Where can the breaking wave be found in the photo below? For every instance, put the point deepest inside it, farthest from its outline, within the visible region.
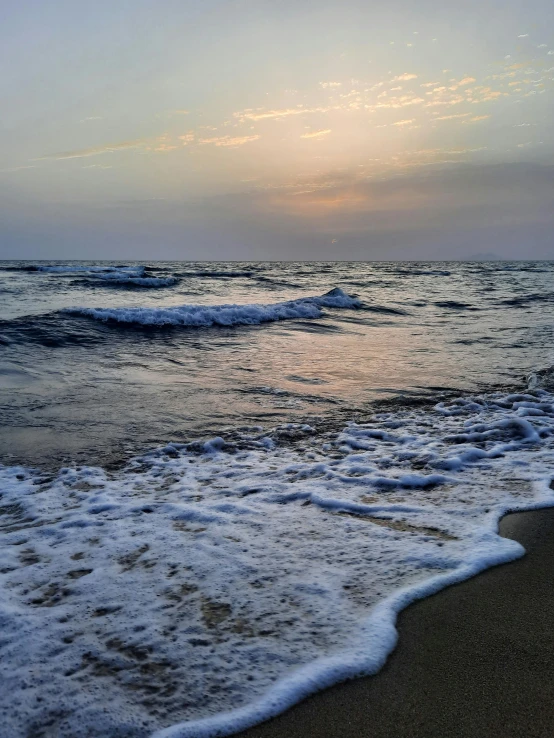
(223, 315)
(135, 271)
(118, 280)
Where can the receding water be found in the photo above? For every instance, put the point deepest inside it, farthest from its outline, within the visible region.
(77, 388)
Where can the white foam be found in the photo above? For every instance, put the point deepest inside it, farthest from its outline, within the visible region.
(79, 268)
(224, 315)
(203, 589)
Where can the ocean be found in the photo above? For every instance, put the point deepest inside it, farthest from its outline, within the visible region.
(221, 481)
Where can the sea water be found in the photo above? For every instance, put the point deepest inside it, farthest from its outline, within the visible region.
(221, 482)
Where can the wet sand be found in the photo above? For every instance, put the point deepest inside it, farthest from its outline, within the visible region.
(474, 660)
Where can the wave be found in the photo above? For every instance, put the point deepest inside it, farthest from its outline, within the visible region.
(216, 274)
(222, 315)
(210, 586)
(525, 300)
(384, 310)
(454, 305)
(106, 276)
(135, 271)
(423, 272)
(117, 280)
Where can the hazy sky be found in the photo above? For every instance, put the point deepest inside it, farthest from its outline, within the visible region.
(263, 129)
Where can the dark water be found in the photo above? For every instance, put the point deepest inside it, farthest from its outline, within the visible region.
(76, 388)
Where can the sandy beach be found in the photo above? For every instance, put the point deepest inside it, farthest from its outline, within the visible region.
(474, 660)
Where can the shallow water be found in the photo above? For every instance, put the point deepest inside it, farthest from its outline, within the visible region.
(314, 462)
(75, 388)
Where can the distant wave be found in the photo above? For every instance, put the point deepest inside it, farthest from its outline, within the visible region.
(119, 270)
(110, 276)
(118, 280)
(453, 305)
(135, 271)
(216, 274)
(224, 315)
(424, 272)
(524, 300)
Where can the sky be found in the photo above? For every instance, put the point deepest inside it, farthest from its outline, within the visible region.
(255, 129)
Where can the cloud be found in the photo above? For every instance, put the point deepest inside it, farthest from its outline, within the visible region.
(181, 112)
(95, 150)
(402, 101)
(452, 195)
(478, 118)
(466, 81)
(165, 147)
(256, 115)
(16, 169)
(229, 141)
(523, 35)
(492, 96)
(91, 117)
(456, 100)
(402, 123)
(452, 117)
(316, 134)
(186, 138)
(406, 77)
(325, 85)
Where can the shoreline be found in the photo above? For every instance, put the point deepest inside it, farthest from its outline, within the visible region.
(475, 659)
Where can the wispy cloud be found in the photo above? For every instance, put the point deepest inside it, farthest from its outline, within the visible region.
(261, 114)
(91, 117)
(326, 85)
(95, 150)
(16, 169)
(316, 134)
(402, 123)
(229, 141)
(453, 117)
(406, 77)
(478, 118)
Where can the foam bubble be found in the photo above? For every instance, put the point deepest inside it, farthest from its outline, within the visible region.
(206, 587)
(97, 270)
(224, 315)
(121, 279)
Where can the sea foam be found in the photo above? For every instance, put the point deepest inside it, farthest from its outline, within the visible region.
(119, 279)
(206, 587)
(78, 268)
(224, 315)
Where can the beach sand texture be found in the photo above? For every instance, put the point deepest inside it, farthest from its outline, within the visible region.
(475, 660)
